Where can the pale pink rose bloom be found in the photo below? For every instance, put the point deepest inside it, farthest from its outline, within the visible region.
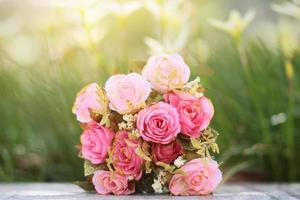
(195, 114)
(95, 141)
(127, 93)
(166, 153)
(166, 72)
(158, 123)
(106, 182)
(202, 177)
(125, 161)
(87, 98)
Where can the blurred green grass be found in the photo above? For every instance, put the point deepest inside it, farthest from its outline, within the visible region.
(43, 64)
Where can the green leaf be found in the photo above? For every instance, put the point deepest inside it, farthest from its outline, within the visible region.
(145, 184)
(86, 185)
(137, 65)
(90, 168)
(196, 143)
(166, 166)
(186, 144)
(142, 154)
(154, 97)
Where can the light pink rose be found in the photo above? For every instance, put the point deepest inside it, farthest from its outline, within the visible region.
(106, 182)
(125, 161)
(195, 114)
(166, 153)
(95, 141)
(158, 123)
(202, 177)
(87, 98)
(166, 72)
(127, 93)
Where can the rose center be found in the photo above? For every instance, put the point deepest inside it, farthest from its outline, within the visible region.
(159, 123)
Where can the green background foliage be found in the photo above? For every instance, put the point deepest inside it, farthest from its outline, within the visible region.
(49, 51)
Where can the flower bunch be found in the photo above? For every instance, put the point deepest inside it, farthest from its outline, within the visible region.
(150, 128)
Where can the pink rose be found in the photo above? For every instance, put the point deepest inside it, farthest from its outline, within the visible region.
(127, 93)
(194, 113)
(166, 153)
(158, 123)
(90, 97)
(106, 182)
(95, 141)
(202, 177)
(166, 72)
(125, 160)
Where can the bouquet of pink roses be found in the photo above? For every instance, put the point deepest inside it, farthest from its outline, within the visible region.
(148, 132)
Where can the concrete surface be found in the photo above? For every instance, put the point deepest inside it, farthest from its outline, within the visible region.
(63, 191)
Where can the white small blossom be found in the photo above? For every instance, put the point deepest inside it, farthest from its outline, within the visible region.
(126, 118)
(160, 182)
(162, 176)
(135, 132)
(278, 119)
(129, 118)
(179, 161)
(122, 126)
(129, 125)
(157, 186)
